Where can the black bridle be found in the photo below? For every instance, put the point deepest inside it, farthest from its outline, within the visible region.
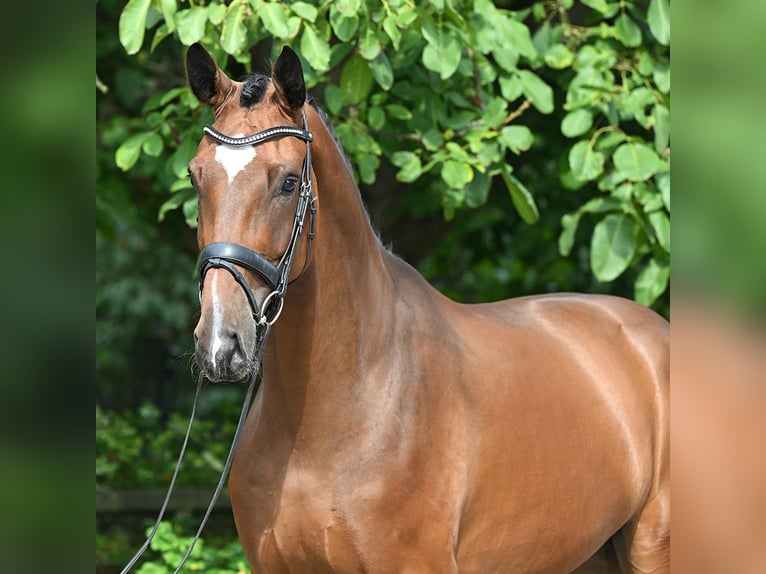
(226, 255)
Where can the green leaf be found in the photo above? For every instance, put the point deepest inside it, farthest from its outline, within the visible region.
(537, 91)
(612, 246)
(191, 212)
(506, 55)
(129, 151)
(216, 13)
(659, 20)
(661, 77)
(153, 145)
(367, 165)
(661, 128)
(305, 11)
(409, 166)
(433, 139)
(333, 98)
(180, 184)
(315, 49)
(191, 24)
(376, 117)
(627, 31)
(600, 5)
(477, 190)
(382, 71)
(510, 87)
(570, 221)
(391, 29)
(274, 18)
(405, 15)
(398, 112)
(651, 282)
(369, 46)
(522, 200)
(645, 64)
(611, 180)
(609, 140)
(559, 57)
(517, 138)
(486, 9)
(355, 80)
(586, 163)
(636, 160)
(169, 8)
(348, 7)
(160, 34)
(495, 112)
(456, 174)
(175, 201)
(179, 161)
(661, 225)
(576, 123)
(516, 33)
(647, 195)
(343, 25)
(338, 53)
(234, 32)
(133, 25)
(443, 52)
(663, 184)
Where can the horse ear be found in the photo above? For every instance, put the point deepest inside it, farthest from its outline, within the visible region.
(287, 74)
(207, 80)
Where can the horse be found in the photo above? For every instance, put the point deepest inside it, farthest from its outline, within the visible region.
(396, 430)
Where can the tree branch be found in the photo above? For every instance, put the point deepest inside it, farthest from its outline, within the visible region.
(518, 111)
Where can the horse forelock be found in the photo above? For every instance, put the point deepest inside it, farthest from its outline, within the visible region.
(253, 89)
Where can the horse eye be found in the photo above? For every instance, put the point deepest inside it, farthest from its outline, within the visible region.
(289, 185)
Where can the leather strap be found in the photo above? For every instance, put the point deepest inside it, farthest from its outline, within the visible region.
(240, 255)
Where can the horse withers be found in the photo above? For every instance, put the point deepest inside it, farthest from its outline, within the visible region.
(396, 430)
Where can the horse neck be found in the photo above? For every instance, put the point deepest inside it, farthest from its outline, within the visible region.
(334, 312)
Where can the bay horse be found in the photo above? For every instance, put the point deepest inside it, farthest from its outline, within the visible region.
(396, 430)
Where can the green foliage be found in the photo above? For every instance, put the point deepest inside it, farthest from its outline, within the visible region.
(139, 449)
(171, 548)
(454, 94)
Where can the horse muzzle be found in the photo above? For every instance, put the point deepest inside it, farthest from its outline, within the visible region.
(225, 336)
(223, 359)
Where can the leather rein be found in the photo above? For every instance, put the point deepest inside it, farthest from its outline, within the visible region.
(226, 255)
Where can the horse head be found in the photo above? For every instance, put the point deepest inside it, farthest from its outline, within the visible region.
(252, 174)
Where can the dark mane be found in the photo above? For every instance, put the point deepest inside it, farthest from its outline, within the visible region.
(311, 100)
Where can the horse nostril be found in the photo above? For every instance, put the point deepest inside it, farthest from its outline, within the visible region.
(225, 352)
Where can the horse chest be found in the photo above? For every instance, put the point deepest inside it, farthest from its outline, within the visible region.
(307, 529)
(316, 516)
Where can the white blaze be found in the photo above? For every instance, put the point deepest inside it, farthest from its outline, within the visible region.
(217, 319)
(234, 158)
